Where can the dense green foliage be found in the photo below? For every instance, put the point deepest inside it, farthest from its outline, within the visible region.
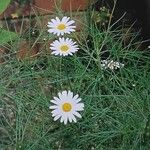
(117, 103)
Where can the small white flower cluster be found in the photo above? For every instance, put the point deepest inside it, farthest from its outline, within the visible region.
(113, 65)
(63, 46)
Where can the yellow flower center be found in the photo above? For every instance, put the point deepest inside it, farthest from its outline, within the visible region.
(64, 48)
(61, 26)
(66, 107)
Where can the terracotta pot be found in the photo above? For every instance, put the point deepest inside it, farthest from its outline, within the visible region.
(47, 6)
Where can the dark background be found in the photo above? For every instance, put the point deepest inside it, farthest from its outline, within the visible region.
(137, 10)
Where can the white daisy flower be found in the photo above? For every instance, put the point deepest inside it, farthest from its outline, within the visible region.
(66, 107)
(64, 47)
(111, 64)
(60, 27)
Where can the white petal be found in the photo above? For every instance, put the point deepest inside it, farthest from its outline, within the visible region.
(51, 30)
(62, 119)
(70, 22)
(70, 95)
(64, 93)
(54, 102)
(53, 115)
(65, 120)
(53, 107)
(61, 39)
(55, 53)
(62, 54)
(57, 117)
(58, 20)
(56, 111)
(73, 118)
(78, 100)
(70, 53)
(79, 107)
(71, 28)
(62, 33)
(77, 114)
(55, 43)
(70, 118)
(65, 19)
(53, 21)
(53, 48)
(60, 95)
(58, 33)
(75, 97)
